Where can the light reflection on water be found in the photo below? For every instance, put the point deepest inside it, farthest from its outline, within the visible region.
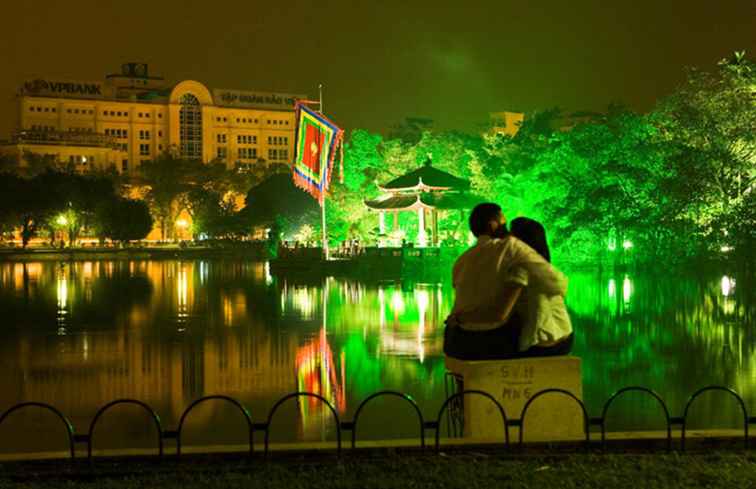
(168, 332)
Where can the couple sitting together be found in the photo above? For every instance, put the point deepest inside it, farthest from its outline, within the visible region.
(509, 298)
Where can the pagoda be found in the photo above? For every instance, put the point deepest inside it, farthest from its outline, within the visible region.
(426, 191)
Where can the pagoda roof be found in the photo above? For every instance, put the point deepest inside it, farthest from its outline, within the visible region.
(425, 200)
(425, 178)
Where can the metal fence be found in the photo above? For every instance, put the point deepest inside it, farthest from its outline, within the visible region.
(451, 407)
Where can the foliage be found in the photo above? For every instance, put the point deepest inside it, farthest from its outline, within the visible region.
(277, 203)
(617, 186)
(124, 220)
(59, 202)
(206, 191)
(710, 122)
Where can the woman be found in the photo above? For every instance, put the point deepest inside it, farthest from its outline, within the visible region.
(545, 328)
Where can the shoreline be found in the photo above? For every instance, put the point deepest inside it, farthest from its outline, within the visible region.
(135, 253)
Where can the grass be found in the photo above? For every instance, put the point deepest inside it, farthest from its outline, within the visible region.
(463, 469)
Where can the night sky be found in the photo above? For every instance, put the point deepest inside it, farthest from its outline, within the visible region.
(381, 61)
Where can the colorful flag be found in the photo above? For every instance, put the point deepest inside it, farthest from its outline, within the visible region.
(316, 141)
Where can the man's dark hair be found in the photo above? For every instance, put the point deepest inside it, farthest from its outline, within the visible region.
(481, 215)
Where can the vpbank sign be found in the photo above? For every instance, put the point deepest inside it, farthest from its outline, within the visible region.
(57, 88)
(257, 100)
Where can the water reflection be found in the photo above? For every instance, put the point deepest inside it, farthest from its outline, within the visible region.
(168, 332)
(62, 299)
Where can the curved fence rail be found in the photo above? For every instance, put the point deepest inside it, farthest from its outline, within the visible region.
(150, 411)
(636, 389)
(719, 388)
(297, 395)
(68, 425)
(406, 397)
(453, 401)
(459, 395)
(240, 406)
(555, 391)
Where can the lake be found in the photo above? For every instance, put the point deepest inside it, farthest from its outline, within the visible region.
(80, 334)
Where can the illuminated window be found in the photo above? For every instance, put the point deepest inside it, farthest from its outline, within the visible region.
(190, 127)
(283, 154)
(272, 154)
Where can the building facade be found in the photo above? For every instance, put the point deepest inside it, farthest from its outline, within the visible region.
(506, 123)
(132, 117)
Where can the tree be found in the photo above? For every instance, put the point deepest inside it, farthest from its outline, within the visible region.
(124, 220)
(710, 122)
(274, 197)
(34, 204)
(10, 185)
(167, 178)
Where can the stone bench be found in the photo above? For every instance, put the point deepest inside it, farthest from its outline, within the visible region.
(551, 417)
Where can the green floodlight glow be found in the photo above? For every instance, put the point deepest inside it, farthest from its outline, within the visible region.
(61, 220)
(728, 285)
(611, 243)
(627, 244)
(627, 290)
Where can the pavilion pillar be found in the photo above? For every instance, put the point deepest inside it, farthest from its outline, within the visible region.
(381, 223)
(434, 223)
(422, 238)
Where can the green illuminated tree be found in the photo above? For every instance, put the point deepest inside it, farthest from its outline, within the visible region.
(710, 123)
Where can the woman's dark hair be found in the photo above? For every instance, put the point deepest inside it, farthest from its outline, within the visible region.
(481, 215)
(533, 234)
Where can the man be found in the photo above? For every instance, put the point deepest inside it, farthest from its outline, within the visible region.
(488, 280)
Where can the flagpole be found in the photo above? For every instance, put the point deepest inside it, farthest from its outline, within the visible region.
(323, 196)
